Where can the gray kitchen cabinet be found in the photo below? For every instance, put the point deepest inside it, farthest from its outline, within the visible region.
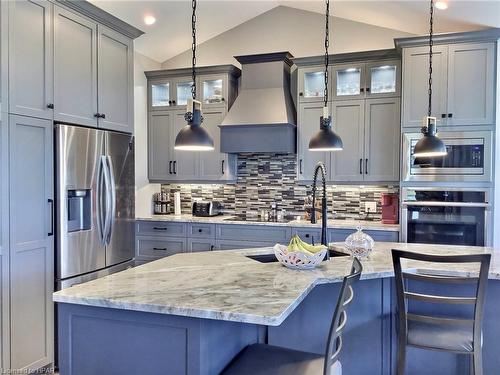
(30, 58)
(309, 120)
(370, 131)
(215, 165)
(152, 248)
(416, 84)
(31, 242)
(168, 93)
(311, 84)
(159, 141)
(115, 75)
(185, 164)
(471, 82)
(382, 139)
(340, 235)
(463, 84)
(161, 228)
(197, 230)
(348, 81)
(75, 68)
(349, 120)
(257, 233)
(200, 244)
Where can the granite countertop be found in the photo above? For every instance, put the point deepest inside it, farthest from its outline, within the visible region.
(226, 219)
(226, 285)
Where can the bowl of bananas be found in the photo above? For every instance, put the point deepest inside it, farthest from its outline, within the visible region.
(300, 255)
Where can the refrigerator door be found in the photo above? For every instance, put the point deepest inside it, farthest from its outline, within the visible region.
(120, 228)
(79, 200)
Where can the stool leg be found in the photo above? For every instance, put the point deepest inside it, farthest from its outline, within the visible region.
(401, 356)
(477, 362)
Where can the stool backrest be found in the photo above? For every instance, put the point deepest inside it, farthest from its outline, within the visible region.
(476, 300)
(339, 321)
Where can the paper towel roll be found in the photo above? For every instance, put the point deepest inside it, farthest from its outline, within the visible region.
(177, 203)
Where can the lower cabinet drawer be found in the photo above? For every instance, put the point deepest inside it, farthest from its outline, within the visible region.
(258, 233)
(308, 235)
(235, 245)
(339, 235)
(159, 228)
(195, 245)
(159, 248)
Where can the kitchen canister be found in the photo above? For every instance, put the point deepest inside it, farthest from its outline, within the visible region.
(177, 203)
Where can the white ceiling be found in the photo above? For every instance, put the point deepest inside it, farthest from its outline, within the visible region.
(171, 34)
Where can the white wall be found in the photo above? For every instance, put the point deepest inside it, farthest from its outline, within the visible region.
(287, 29)
(143, 189)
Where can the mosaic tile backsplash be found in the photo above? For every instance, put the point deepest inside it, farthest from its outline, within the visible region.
(267, 178)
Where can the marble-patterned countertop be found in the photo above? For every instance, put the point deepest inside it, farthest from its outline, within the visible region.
(227, 219)
(226, 285)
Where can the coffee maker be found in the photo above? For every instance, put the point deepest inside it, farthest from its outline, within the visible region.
(390, 208)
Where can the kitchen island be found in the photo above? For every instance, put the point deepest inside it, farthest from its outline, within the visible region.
(192, 313)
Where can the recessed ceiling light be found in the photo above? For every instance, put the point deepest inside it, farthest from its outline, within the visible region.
(149, 20)
(442, 5)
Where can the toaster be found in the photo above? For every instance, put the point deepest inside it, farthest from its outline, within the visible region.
(213, 208)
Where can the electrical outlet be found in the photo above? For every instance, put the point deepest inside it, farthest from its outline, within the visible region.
(371, 207)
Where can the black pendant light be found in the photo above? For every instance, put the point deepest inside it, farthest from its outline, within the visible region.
(193, 137)
(430, 146)
(326, 139)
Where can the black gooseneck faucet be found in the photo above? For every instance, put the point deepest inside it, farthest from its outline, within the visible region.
(320, 167)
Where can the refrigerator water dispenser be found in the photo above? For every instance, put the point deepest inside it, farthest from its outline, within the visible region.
(79, 210)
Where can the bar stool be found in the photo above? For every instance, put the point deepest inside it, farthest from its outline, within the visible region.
(441, 332)
(262, 359)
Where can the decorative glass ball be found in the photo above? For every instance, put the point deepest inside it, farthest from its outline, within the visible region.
(359, 244)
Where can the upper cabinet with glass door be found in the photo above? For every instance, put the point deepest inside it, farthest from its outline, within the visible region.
(311, 84)
(213, 90)
(362, 80)
(159, 96)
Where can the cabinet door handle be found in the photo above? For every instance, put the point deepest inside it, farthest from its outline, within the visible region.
(170, 167)
(308, 235)
(97, 115)
(443, 115)
(366, 166)
(160, 248)
(50, 106)
(212, 247)
(362, 90)
(51, 202)
(160, 228)
(450, 115)
(301, 94)
(103, 116)
(169, 102)
(222, 99)
(300, 166)
(173, 102)
(360, 166)
(367, 89)
(200, 230)
(222, 166)
(175, 166)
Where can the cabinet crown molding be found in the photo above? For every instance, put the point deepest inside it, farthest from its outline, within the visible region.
(486, 35)
(97, 14)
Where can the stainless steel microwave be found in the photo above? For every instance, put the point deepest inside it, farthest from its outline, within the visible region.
(469, 158)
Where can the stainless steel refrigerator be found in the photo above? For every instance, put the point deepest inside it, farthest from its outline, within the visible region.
(94, 203)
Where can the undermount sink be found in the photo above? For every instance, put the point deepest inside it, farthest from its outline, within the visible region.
(271, 258)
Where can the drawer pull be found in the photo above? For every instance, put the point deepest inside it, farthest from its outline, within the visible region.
(308, 235)
(159, 228)
(200, 230)
(160, 248)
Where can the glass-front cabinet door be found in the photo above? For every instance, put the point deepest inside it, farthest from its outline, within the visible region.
(182, 92)
(213, 90)
(348, 81)
(311, 84)
(159, 95)
(383, 79)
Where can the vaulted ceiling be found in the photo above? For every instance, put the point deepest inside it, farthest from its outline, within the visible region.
(171, 33)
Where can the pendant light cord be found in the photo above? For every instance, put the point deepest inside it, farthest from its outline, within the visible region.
(193, 49)
(431, 43)
(327, 44)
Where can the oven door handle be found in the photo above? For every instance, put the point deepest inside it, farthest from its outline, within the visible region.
(445, 204)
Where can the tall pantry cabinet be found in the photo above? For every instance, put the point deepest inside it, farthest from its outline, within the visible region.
(60, 61)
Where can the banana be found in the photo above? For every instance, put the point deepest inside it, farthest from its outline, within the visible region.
(297, 245)
(311, 248)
